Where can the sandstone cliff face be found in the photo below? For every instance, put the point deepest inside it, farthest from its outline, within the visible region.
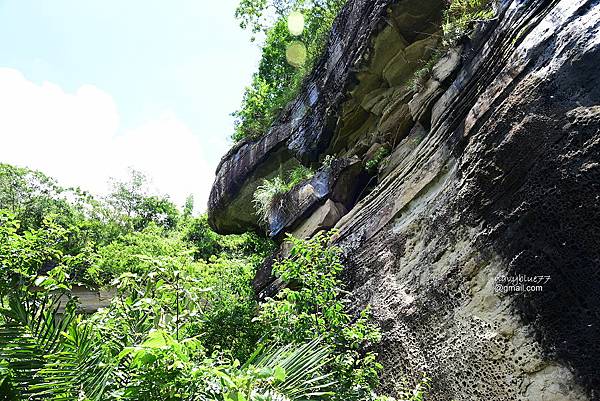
(494, 172)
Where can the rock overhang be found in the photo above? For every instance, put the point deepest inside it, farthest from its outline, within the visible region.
(340, 182)
(493, 171)
(308, 128)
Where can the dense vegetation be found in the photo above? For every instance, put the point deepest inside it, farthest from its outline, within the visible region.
(183, 323)
(294, 34)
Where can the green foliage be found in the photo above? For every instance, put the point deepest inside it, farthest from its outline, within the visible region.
(260, 106)
(65, 358)
(205, 240)
(144, 346)
(31, 331)
(313, 267)
(285, 373)
(207, 243)
(30, 195)
(278, 81)
(297, 370)
(184, 314)
(459, 19)
(132, 205)
(229, 306)
(267, 194)
(223, 275)
(298, 174)
(417, 393)
(136, 252)
(373, 163)
(36, 257)
(422, 74)
(312, 307)
(461, 16)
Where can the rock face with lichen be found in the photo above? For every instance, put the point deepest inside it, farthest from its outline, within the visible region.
(489, 172)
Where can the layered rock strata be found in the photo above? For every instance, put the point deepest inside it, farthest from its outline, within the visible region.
(492, 180)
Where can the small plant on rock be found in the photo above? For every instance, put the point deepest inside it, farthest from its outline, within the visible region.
(459, 19)
(271, 190)
(372, 164)
(461, 16)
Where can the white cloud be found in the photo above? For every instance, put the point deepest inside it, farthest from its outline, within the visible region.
(76, 138)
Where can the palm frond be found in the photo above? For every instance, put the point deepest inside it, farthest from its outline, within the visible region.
(50, 353)
(31, 329)
(79, 367)
(302, 370)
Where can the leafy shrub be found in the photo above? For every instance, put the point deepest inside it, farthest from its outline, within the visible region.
(314, 308)
(417, 393)
(147, 345)
(207, 243)
(205, 240)
(48, 354)
(228, 307)
(267, 194)
(137, 251)
(226, 298)
(36, 257)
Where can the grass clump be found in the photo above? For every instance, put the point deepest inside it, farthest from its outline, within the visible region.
(267, 194)
(461, 16)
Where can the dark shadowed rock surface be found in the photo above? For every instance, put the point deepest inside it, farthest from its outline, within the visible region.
(339, 183)
(493, 175)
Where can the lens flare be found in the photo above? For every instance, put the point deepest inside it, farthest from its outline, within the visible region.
(295, 23)
(296, 53)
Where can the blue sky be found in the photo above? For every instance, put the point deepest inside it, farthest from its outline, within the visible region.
(89, 87)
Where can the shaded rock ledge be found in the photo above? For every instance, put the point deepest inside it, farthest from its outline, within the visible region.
(305, 129)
